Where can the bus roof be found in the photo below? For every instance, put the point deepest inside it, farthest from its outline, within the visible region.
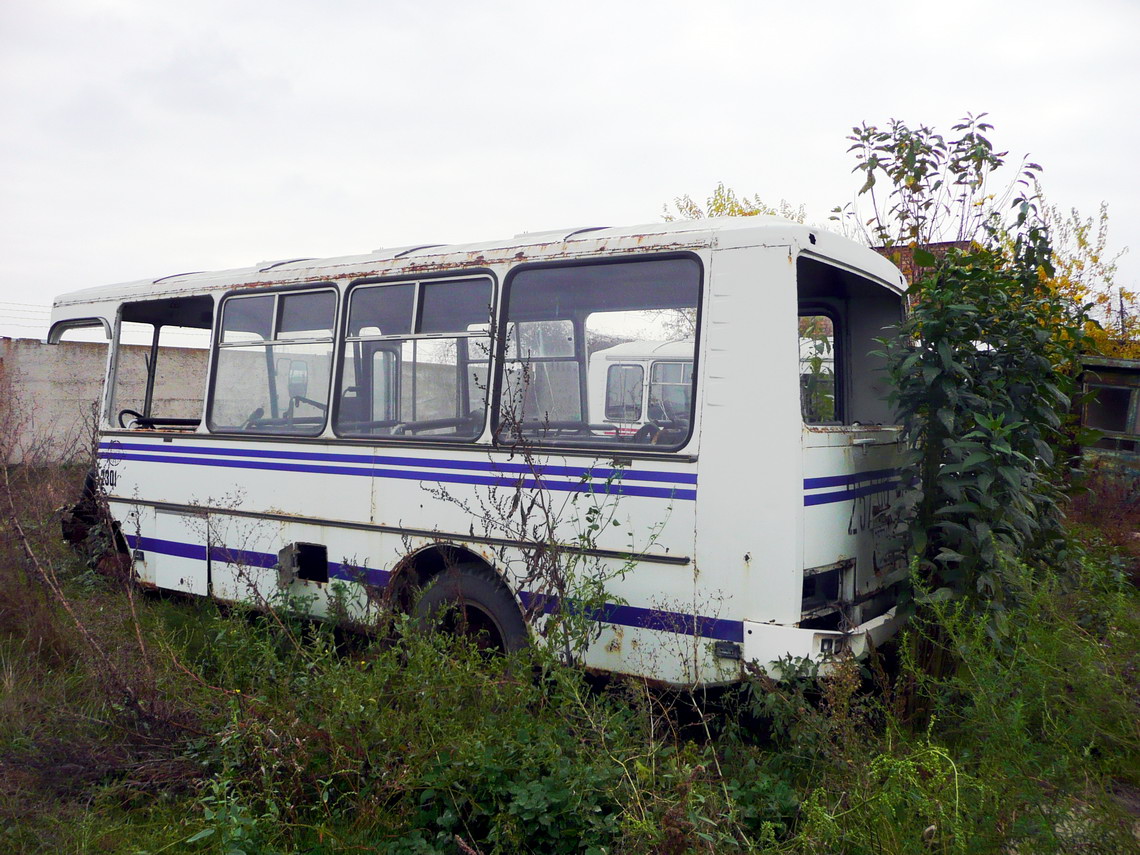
(560, 244)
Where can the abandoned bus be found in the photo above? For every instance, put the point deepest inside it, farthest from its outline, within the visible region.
(436, 422)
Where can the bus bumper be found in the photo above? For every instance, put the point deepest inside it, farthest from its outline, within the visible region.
(766, 643)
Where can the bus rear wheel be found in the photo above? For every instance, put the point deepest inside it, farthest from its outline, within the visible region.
(469, 600)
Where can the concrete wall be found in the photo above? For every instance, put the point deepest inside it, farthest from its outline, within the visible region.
(49, 393)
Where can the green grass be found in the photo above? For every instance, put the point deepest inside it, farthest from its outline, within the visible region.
(172, 725)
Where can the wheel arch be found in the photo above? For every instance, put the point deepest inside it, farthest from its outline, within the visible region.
(418, 568)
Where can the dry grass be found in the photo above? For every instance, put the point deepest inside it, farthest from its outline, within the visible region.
(81, 705)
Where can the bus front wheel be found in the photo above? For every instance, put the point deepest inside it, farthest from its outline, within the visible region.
(471, 601)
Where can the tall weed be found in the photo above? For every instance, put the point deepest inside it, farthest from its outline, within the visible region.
(263, 731)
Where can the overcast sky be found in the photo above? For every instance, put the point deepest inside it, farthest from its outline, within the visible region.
(142, 138)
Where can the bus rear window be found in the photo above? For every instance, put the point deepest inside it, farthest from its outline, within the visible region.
(817, 370)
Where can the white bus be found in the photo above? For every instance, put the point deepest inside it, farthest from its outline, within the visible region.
(384, 423)
(643, 386)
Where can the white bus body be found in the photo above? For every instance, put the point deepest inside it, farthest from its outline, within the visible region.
(357, 414)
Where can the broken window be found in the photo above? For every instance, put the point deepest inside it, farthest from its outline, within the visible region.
(1108, 409)
(161, 352)
(842, 373)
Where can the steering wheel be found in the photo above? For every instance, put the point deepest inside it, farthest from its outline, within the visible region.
(647, 434)
(135, 413)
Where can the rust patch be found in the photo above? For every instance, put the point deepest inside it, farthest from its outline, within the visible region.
(614, 644)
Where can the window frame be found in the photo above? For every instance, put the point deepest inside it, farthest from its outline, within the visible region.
(654, 366)
(345, 341)
(1131, 420)
(158, 356)
(584, 444)
(216, 347)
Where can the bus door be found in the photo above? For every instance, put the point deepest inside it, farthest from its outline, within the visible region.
(851, 448)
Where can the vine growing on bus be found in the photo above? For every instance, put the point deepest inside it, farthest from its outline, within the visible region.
(554, 535)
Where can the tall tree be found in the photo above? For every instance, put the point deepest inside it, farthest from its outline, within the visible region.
(1085, 272)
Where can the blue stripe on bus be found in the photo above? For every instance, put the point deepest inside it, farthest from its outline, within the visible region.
(167, 547)
(848, 495)
(360, 575)
(472, 465)
(250, 558)
(594, 480)
(659, 620)
(846, 480)
(642, 618)
(244, 557)
(854, 486)
(611, 487)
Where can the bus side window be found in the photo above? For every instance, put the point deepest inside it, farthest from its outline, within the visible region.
(566, 327)
(274, 363)
(817, 370)
(160, 363)
(415, 359)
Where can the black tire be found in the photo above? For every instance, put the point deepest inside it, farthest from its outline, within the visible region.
(471, 600)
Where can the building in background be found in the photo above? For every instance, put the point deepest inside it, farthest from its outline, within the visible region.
(1113, 404)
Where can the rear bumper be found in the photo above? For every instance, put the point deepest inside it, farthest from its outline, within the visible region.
(766, 643)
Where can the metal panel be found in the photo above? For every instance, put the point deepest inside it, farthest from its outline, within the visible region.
(178, 552)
